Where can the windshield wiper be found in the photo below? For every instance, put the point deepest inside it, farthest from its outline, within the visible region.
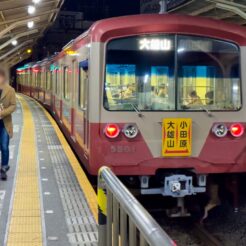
(209, 113)
(137, 110)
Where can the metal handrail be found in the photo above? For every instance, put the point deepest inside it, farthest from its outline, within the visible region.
(122, 219)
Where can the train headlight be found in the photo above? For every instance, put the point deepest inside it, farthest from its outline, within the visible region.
(237, 130)
(220, 130)
(130, 130)
(112, 130)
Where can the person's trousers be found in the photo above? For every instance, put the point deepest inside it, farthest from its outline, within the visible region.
(4, 145)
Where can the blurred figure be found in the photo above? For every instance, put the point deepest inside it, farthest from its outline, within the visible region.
(209, 98)
(129, 92)
(194, 99)
(154, 92)
(162, 91)
(7, 107)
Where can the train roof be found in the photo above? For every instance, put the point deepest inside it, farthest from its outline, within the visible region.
(107, 29)
(104, 30)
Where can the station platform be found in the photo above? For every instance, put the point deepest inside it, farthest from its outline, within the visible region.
(47, 199)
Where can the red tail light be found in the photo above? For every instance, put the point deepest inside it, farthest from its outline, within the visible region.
(237, 130)
(112, 130)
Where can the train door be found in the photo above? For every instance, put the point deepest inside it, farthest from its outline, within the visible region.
(83, 100)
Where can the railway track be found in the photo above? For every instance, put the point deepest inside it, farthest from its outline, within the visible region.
(205, 236)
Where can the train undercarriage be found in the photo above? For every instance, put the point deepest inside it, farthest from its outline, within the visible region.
(189, 194)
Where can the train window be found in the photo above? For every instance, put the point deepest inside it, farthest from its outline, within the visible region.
(39, 79)
(208, 74)
(55, 80)
(140, 74)
(43, 78)
(48, 80)
(66, 83)
(83, 80)
(168, 72)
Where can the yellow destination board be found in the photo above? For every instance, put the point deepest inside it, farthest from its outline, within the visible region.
(176, 137)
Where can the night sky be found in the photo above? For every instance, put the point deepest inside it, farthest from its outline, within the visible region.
(54, 39)
(98, 9)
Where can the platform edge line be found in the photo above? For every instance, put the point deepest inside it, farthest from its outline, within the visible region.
(82, 179)
(14, 182)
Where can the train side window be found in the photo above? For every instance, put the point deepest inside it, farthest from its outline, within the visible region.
(66, 83)
(55, 80)
(83, 81)
(48, 80)
(39, 79)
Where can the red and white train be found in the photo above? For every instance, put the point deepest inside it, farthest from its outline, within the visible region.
(158, 98)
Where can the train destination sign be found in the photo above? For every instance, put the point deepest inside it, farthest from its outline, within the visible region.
(176, 137)
(155, 44)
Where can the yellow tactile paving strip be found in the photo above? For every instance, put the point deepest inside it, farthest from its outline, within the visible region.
(26, 221)
(85, 185)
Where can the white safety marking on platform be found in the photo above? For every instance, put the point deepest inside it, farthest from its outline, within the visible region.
(43, 168)
(55, 147)
(41, 151)
(47, 193)
(2, 196)
(44, 179)
(49, 211)
(11, 151)
(16, 128)
(41, 159)
(46, 125)
(53, 238)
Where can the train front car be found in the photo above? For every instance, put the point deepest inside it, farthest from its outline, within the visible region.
(170, 111)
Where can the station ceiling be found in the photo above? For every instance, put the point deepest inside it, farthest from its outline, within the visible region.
(228, 10)
(14, 18)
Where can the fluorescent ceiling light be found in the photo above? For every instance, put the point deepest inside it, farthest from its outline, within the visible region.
(30, 24)
(14, 42)
(31, 9)
(36, 1)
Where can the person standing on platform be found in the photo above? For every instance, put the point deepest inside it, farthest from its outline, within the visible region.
(7, 107)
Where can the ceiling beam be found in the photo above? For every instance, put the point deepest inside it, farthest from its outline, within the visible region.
(25, 18)
(183, 5)
(232, 9)
(203, 10)
(41, 4)
(15, 49)
(229, 3)
(16, 24)
(226, 15)
(20, 52)
(16, 37)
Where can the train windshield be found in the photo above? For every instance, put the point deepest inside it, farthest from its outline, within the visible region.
(172, 72)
